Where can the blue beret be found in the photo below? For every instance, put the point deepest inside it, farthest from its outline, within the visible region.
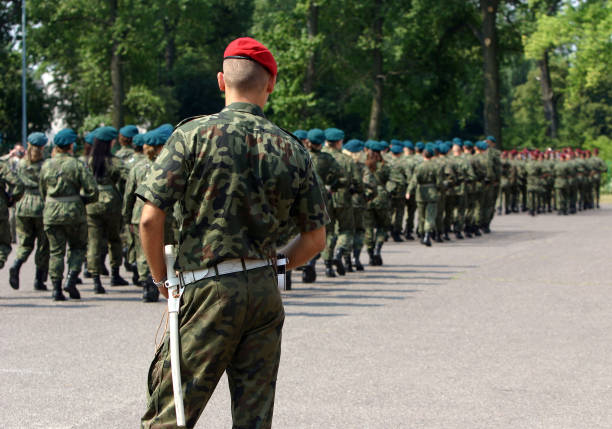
(396, 142)
(491, 138)
(396, 148)
(89, 138)
(370, 143)
(37, 139)
(164, 131)
(129, 131)
(409, 145)
(457, 140)
(483, 145)
(300, 134)
(65, 137)
(154, 138)
(379, 146)
(106, 133)
(138, 140)
(429, 150)
(468, 144)
(443, 149)
(353, 145)
(316, 136)
(384, 143)
(420, 145)
(333, 134)
(438, 142)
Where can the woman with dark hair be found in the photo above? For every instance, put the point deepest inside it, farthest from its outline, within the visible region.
(376, 217)
(29, 212)
(104, 216)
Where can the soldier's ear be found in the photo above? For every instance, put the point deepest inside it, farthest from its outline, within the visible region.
(221, 81)
(271, 83)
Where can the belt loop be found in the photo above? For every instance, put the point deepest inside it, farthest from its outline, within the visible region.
(243, 265)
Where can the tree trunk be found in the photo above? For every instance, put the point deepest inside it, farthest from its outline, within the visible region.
(492, 110)
(116, 72)
(548, 96)
(377, 60)
(170, 50)
(312, 26)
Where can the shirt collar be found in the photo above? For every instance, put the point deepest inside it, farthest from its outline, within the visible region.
(251, 108)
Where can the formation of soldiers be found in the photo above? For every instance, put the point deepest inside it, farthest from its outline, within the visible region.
(374, 191)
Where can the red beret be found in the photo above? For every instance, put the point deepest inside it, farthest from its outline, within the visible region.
(250, 49)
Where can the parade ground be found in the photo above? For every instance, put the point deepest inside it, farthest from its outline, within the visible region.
(509, 330)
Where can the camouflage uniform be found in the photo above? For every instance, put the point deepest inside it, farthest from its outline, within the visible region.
(398, 195)
(10, 188)
(410, 163)
(29, 213)
(132, 237)
(474, 213)
(124, 153)
(424, 188)
(61, 179)
(534, 185)
(562, 187)
(494, 171)
(104, 218)
(242, 184)
(599, 167)
(462, 190)
(359, 206)
(376, 217)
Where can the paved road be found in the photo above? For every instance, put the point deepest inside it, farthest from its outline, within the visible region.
(511, 330)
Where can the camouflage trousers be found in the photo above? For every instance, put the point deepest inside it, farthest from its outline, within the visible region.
(449, 210)
(459, 207)
(562, 199)
(75, 235)
(29, 231)
(488, 204)
(427, 211)
(377, 222)
(103, 230)
(341, 230)
(359, 234)
(410, 212)
(228, 323)
(474, 209)
(5, 240)
(398, 207)
(440, 210)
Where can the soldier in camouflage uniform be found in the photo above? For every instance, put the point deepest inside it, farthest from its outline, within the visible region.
(534, 183)
(473, 211)
(410, 162)
(104, 216)
(376, 217)
(65, 187)
(599, 167)
(29, 212)
(243, 183)
(466, 181)
(11, 189)
(398, 195)
(424, 187)
(354, 149)
(126, 136)
(448, 180)
(329, 174)
(342, 232)
(494, 172)
(561, 176)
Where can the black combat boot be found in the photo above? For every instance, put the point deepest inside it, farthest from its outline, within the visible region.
(103, 269)
(378, 254)
(348, 264)
(438, 237)
(135, 278)
(459, 235)
(309, 274)
(446, 237)
(98, 288)
(116, 279)
(14, 273)
(57, 294)
(70, 285)
(78, 281)
(372, 257)
(476, 232)
(329, 269)
(358, 265)
(288, 280)
(396, 237)
(426, 239)
(150, 293)
(338, 262)
(468, 231)
(486, 229)
(41, 277)
(409, 236)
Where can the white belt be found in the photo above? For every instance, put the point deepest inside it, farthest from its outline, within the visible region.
(226, 267)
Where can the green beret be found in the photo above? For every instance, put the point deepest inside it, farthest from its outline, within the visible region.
(353, 145)
(106, 133)
(65, 137)
(333, 134)
(37, 139)
(129, 131)
(138, 140)
(316, 136)
(397, 149)
(300, 134)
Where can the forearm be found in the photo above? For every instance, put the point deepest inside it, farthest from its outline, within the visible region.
(304, 247)
(152, 239)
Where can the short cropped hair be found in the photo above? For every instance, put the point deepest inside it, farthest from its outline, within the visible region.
(245, 75)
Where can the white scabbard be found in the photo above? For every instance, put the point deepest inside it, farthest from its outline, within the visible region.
(175, 290)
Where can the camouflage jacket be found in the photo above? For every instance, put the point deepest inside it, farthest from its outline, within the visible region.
(562, 174)
(398, 182)
(61, 179)
(135, 159)
(534, 176)
(11, 188)
(342, 197)
(425, 183)
(480, 171)
(132, 206)
(31, 204)
(377, 194)
(359, 198)
(110, 188)
(598, 166)
(329, 174)
(242, 183)
(124, 153)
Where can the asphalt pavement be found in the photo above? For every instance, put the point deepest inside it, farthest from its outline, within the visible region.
(509, 330)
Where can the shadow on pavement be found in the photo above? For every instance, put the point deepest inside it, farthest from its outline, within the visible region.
(316, 314)
(79, 306)
(331, 304)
